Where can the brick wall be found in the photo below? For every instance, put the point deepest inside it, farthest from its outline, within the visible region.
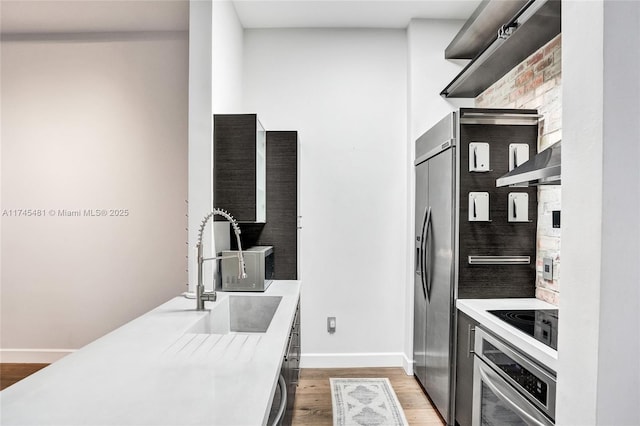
(536, 83)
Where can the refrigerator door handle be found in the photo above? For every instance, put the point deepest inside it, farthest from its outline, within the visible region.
(426, 255)
(419, 244)
(423, 238)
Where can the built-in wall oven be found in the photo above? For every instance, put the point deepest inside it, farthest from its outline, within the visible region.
(508, 387)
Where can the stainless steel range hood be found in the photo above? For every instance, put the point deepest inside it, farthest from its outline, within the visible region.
(543, 169)
(481, 27)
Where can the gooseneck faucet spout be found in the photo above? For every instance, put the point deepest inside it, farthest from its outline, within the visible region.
(201, 295)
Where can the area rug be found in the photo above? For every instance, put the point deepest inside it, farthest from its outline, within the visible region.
(365, 402)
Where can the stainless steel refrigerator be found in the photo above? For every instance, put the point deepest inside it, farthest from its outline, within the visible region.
(469, 241)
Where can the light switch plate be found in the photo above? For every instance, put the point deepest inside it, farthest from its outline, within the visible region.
(518, 207)
(479, 207)
(479, 157)
(331, 324)
(547, 268)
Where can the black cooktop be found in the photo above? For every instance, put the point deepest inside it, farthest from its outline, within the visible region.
(541, 324)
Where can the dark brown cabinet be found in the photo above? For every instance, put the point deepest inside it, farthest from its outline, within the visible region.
(281, 228)
(500, 236)
(464, 369)
(291, 366)
(281, 413)
(239, 175)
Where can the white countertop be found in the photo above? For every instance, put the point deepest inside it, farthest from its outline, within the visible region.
(477, 309)
(152, 372)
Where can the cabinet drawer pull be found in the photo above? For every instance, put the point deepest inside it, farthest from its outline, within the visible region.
(499, 260)
(296, 373)
(470, 345)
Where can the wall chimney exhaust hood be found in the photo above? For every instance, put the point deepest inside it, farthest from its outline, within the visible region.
(543, 169)
(533, 26)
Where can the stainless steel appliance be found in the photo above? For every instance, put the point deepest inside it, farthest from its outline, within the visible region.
(472, 240)
(541, 324)
(259, 264)
(509, 388)
(543, 169)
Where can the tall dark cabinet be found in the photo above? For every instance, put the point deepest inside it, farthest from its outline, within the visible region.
(281, 229)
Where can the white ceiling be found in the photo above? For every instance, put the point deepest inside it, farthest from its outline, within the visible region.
(60, 16)
(347, 13)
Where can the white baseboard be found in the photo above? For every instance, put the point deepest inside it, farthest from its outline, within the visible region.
(33, 356)
(352, 360)
(407, 365)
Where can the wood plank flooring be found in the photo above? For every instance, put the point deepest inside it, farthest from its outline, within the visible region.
(12, 373)
(313, 397)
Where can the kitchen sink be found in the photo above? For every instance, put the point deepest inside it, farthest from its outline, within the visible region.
(239, 314)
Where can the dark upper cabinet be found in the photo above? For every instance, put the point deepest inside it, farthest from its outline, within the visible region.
(239, 175)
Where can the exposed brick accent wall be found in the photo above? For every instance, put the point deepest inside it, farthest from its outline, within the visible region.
(536, 83)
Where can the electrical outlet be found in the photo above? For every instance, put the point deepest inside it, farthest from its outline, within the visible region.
(331, 324)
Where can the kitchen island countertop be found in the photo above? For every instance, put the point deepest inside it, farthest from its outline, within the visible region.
(478, 309)
(155, 371)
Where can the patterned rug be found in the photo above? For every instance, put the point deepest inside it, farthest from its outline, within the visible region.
(365, 402)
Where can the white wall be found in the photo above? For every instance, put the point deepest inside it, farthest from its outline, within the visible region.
(345, 93)
(215, 86)
(429, 73)
(599, 371)
(582, 212)
(90, 122)
(619, 333)
(227, 52)
(200, 129)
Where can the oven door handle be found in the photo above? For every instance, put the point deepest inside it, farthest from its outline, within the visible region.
(491, 382)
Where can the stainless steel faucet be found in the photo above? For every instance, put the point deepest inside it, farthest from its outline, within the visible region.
(201, 295)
